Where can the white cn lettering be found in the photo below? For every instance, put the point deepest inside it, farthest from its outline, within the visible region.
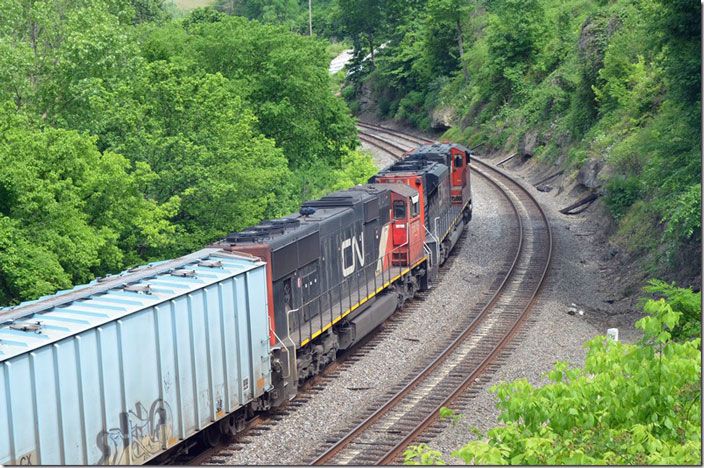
(357, 255)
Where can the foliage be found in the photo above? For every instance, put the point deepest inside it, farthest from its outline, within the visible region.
(165, 134)
(69, 212)
(622, 193)
(363, 20)
(618, 81)
(283, 77)
(421, 454)
(630, 404)
(684, 303)
(291, 14)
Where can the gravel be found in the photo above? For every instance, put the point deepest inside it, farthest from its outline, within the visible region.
(581, 273)
(584, 273)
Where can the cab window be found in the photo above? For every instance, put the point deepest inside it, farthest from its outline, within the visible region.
(399, 209)
(459, 160)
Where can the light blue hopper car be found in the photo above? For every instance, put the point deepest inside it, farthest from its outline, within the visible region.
(120, 370)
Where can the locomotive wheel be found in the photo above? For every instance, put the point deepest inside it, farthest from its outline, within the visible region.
(212, 435)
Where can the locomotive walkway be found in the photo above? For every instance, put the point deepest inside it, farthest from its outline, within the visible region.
(384, 435)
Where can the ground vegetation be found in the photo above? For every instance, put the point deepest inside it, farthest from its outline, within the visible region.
(614, 84)
(636, 404)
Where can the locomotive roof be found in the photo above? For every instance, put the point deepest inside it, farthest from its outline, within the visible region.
(432, 171)
(438, 148)
(399, 188)
(417, 166)
(281, 232)
(347, 197)
(34, 324)
(362, 192)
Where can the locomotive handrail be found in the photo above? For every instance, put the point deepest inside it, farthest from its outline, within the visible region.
(437, 244)
(293, 345)
(431, 234)
(288, 354)
(350, 286)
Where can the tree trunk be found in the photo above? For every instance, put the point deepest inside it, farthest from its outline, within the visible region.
(310, 18)
(459, 40)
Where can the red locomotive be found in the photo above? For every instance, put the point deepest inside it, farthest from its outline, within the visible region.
(343, 264)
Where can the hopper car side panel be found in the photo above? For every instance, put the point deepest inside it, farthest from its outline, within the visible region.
(119, 377)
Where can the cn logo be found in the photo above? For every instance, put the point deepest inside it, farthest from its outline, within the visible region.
(351, 254)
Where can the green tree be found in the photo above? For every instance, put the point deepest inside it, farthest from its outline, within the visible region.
(200, 139)
(363, 18)
(514, 35)
(67, 211)
(281, 75)
(452, 11)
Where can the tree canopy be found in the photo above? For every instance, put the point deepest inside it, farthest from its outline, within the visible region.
(129, 136)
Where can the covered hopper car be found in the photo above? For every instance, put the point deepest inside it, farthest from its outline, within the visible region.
(120, 370)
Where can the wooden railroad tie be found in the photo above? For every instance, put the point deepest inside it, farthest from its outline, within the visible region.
(589, 199)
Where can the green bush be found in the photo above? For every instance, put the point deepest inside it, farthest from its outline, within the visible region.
(630, 404)
(621, 193)
(683, 302)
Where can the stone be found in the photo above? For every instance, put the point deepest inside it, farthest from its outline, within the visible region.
(527, 143)
(442, 118)
(589, 172)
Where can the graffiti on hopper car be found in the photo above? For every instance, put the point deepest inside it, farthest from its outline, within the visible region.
(142, 434)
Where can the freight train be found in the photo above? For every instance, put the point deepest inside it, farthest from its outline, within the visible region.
(124, 369)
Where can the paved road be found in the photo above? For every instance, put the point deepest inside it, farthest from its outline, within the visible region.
(339, 62)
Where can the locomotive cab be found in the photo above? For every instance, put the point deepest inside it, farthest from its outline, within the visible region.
(406, 228)
(460, 159)
(456, 158)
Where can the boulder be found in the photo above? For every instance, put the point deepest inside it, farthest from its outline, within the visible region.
(527, 143)
(442, 118)
(589, 172)
(366, 101)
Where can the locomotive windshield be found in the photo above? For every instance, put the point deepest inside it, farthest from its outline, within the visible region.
(414, 205)
(399, 209)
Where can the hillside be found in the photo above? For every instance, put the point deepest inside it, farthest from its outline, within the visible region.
(608, 91)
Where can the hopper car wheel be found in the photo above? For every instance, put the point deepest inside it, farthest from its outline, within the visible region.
(228, 425)
(212, 435)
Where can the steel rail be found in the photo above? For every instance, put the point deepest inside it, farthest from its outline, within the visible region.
(397, 450)
(445, 354)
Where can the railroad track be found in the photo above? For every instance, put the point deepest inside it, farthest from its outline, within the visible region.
(198, 453)
(413, 409)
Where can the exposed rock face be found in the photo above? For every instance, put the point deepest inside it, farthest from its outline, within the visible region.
(366, 102)
(527, 143)
(589, 172)
(442, 118)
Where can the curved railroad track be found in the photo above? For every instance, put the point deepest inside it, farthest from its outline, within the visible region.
(382, 437)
